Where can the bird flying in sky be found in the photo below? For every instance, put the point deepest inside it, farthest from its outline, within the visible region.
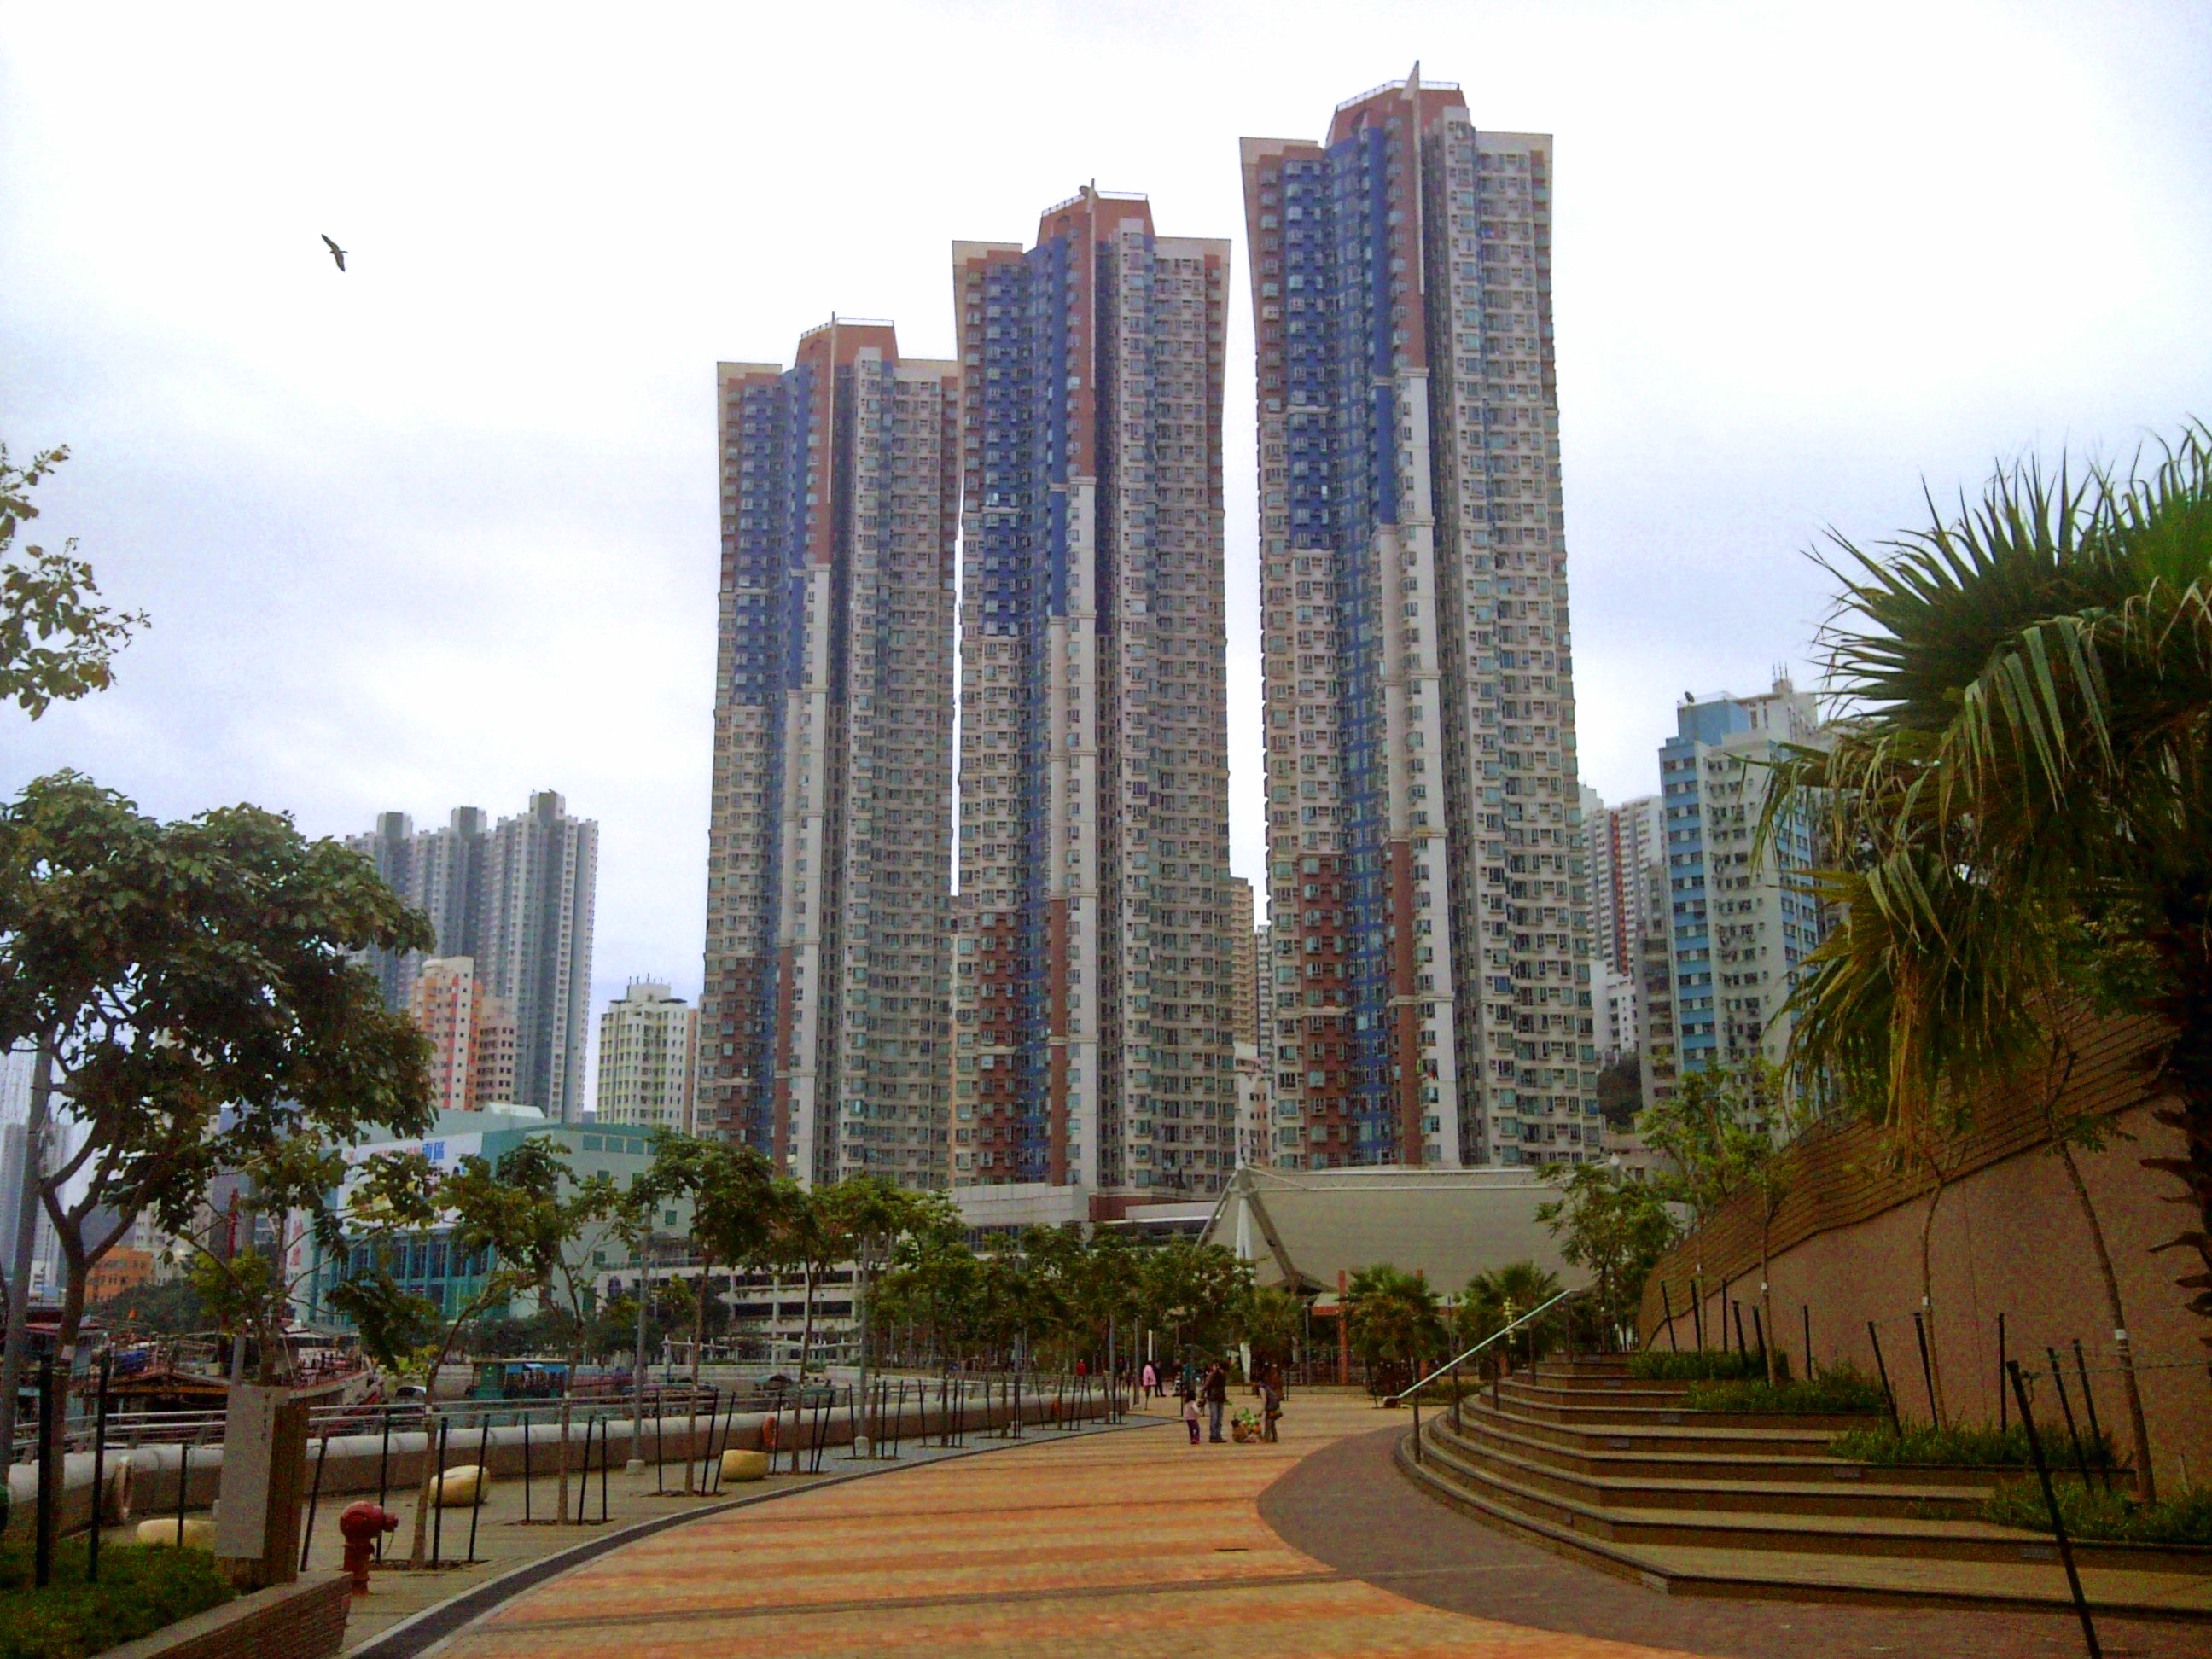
(337, 252)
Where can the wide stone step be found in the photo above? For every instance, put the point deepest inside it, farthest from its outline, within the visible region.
(1580, 1457)
(2171, 1585)
(1691, 1484)
(1547, 1381)
(1695, 1527)
(1699, 1431)
(1623, 1413)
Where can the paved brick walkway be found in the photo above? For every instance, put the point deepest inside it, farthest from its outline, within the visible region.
(1133, 1545)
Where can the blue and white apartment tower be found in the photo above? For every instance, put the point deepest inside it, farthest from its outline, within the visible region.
(1429, 985)
(1735, 910)
(823, 1023)
(1092, 968)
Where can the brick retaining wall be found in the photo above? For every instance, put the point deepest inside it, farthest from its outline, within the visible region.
(303, 1620)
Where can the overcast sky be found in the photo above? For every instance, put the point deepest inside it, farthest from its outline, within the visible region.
(442, 529)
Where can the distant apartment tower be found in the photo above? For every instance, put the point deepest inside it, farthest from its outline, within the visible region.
(1254, 1143)
(1244, 950)
(518, 900)
(540, 887)
(1428, 861)
(497, 1041)
(1625, 841)
(446, 1002)
(440, 872)
(1094, 1003)
(648, 1046)
(472, 1032)
(824, 1019)
(1737, 920)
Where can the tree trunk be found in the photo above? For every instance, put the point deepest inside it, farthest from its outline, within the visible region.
(807, 1327)
(1765, 1296)
(2146, 1477)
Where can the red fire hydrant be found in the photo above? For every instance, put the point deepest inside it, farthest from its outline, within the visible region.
(361, 1525)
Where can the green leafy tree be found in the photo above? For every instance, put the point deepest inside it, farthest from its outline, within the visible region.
(731, 1191)
(798, 1242)
(1614, 1227)
(1725, 1130)
(396, 1328)
(193, 993)
(2024, 736)
(170, 1309)
(1192, 1290)
(57, 642)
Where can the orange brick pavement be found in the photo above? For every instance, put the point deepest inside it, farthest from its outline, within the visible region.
(1134, 1543)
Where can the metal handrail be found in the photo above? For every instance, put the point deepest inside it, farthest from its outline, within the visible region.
(1504, 1331)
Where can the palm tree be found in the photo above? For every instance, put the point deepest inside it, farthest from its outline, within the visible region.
(1498, 1296)
(1393, 1321)
(2020, 799)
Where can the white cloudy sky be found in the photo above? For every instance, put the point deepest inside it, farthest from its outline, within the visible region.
(443, 529)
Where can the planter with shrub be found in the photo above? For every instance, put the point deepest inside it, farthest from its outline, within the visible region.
(140, 1590)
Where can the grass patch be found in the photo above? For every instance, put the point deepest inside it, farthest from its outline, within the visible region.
(140, 1590)
(1711, 1364)
(2184, 1517)
(1983, 1447)
(1839, 1389)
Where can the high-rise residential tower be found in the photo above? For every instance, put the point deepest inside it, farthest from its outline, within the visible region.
(541, 881)
(1427, 860)
(1738, 918)
(823, 1025)
(1093, 994)
(517, 899)
(446, 1001)
(440, 872)
(1625, 841)
(648, 1045)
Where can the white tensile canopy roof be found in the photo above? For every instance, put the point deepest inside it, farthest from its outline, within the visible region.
(1300, 1228)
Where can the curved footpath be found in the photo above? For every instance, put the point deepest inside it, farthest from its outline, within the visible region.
(1135, 1544)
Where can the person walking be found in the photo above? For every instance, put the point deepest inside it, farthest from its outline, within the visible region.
(1152, 1381)
(1217, 1400)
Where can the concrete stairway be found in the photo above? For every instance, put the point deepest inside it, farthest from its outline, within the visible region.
(1586, 1459)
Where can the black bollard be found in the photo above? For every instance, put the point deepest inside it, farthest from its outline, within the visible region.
(2050, 1500)
(42, 1547)
(483, 1479)
(315, 1501)
(2089, 1407)
(99, 1469)
(1888, 1394)
(2080, 1462)
(383, 1472)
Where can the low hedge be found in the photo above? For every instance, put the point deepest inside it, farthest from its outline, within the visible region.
(1837, 1388)
(1702, 1365)
(140, 1590)
(2093, 1513)
(1982, 1447)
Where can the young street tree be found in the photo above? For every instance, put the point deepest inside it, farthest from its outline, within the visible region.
(191, 992)
(1727, 1129)
(57, 643)
(1616, 1228)
(730, 1190)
